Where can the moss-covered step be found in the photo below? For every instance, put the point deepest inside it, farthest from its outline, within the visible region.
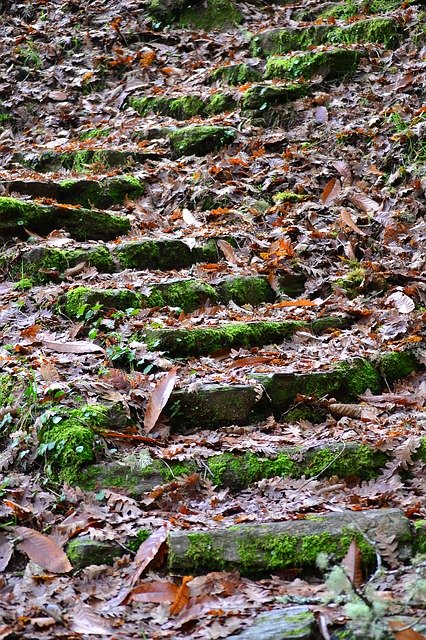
(83, 552)
(345, 381)
(331, 63)
(266, 548)
(181, 343)
(136, 475)
(154, 254)
(211, 15)
(384, 31)
(43, 264)
(211, 407)
(264, 96)
(97, 194)
(183, 108)
(200, 140)
(84, 160)
(235, 74)
(67, 437)
(17, 216)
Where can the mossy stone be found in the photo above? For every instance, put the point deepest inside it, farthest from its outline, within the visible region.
(246, 290)
(329, 64)
(153, 254)
(235, 74)
(200, 140)
(83, 552)
(265, 96)
(186, 294)
(395, 365)
(215, 14)
(193, 342)
(100, 194)
(46, 263)
(78, 300)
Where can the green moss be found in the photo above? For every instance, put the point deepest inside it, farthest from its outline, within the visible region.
(275, 552)
(154, 254)
(92, 134)
(420, 537)
(279, 41)
(357, 376)
(214, 14)
(16, 216)
(352, 282)
(200, 139)
(396, 365)
(171, 471)
(304, 412)
(186, 107)
(134, 543)
(78, 300)
(362, 461)
(289, 196)
(202, 556)
(84, 551)
(238, 472)
(235, 74)
(264, 96)
(188, 294)
(332, 63)
(420, 453)
(191, 342)
(47, 259)
(67, 438)
(246, 290)
(219, 103)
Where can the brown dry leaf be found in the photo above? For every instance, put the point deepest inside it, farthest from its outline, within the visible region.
(352, 563)
(42, 550)
(228, 251)
(402, 302)
(294, 303)
(30, 332)
(343, 168)
(6, 550)
(158, 399)
(364, 202)
(72, 347)
(331, 191)
(157, 592)
(346, 218)
(86, 620)
(182, 597)
(148, 550)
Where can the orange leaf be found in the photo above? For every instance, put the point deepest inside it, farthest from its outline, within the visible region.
(294, 303)
(331, 190)
(158, 399)
(43, 550)
(147, 59)
(182, 597)
(408, 634)
(157, 592)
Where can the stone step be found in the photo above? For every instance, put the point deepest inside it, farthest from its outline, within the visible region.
(188, 294)
(20, 218)
(385, 31)
(182, 343)
(83, 160)
(330, 64)
(185, 107)
(137, 475)
(43, 263)
(262, 549)
(96, 194)
(215, 405)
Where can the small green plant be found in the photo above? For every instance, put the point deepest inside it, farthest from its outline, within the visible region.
(29, 55)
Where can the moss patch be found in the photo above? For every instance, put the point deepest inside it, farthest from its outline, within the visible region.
(83, 551)
(263, 96)
(16, 215)
(395, 365)
(106, 193)
(330, 64)
(44, 264)
(78, 300)
(154, 254)
(215, 14)
(235, 74)
(186, 342)
(384, 31)
(200, 140)
(246, 290)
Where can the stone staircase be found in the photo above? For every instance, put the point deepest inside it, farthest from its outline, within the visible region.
(188, 227)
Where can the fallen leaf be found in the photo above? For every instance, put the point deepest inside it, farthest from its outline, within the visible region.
(148, 550)
(190, 219)
(158, 399)
(6, 550)
(72, 347)
(346, 218)
(330, 192)
(228, 251)
(352, 563)
(182, 597)
(42, 550)
(157, 592)
(402, 302)
(86, 620)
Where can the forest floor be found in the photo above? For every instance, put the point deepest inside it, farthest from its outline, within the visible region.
(213, 294)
